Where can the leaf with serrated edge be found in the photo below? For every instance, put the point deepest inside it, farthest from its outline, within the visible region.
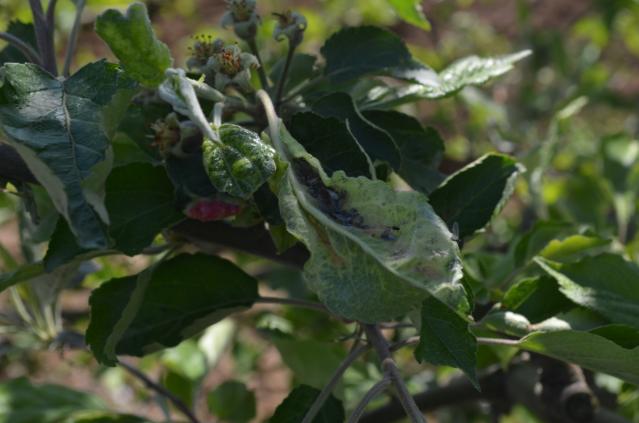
(474, 194)
(61, 129)
(164, 305)
(606, 283)
(446, 340)
(132, 40)
(394, 252)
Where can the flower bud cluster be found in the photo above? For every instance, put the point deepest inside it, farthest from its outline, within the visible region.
(242, 16)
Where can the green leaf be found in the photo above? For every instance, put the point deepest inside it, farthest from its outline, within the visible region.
(446, 340)
(537, 238)
(474, 194)
(297, 403)
(61, 129)
(23, 273)
(465, 72)
(23, 402)
(62, 248)
(606, 283)
(162, 306)
(298, 353)
(536, 298)
(186, 359)
(132, 40)
(23, 31)
(232, 402)
(591, 350)
(302, 67)
(141, 203)
(357, 51)
(375, 253)
(189, 177)
(411, 12)
(420, 149)
(376, 142)
(573, 247)
(331, 142)
(240, 164)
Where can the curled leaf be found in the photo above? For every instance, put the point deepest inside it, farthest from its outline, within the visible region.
(239, 163)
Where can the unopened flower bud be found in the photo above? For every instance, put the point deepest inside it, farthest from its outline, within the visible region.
(241, 15)
(290, 25)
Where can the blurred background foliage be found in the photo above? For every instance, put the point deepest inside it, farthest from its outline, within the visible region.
(568, 113)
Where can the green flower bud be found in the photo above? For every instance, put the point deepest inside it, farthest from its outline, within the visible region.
(290, 25)
(241, 15)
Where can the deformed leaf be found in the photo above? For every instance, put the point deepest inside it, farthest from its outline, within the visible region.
(61, 129)
(376, 142)
(331, 142)
(299, 401)
(375, 253)
(473, 195)
(240, 162)
(446, 340)
(606, 283)
(132, 40)
(164, 305)
(420, 149)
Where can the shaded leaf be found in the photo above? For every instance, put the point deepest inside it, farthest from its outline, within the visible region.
(357, 51)
(26, 33)
(474, 194)
(189, 177)
(376, 253)
(240, 163)
(299, 401)
(331, 142)
(61, 129)
(21, 274)
(606, 283)
(132, 40)
(159, 308)
(411, 12)
(232, 402)
(446, 340)
(23, 402)
(140, 200)
(536, 298)
(538, 237)
(301, 68)
(376, 142)
(420, 149)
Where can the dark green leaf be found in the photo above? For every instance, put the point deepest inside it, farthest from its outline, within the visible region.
(61, 130)
(446, 340)
(140, 200)
(376, 142)
(473, 195)
(357, 51)
(301, 69)
(294, 407)
(63, 247)
(189, 177)
(420, 148)
(536, 298)
(23, 31)
(232, 402)
(132, 40)
(606, 283)
(23, 402)
(164, 305)
(533, 241)
(240, 163)
(331, 142)
(411, 12)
